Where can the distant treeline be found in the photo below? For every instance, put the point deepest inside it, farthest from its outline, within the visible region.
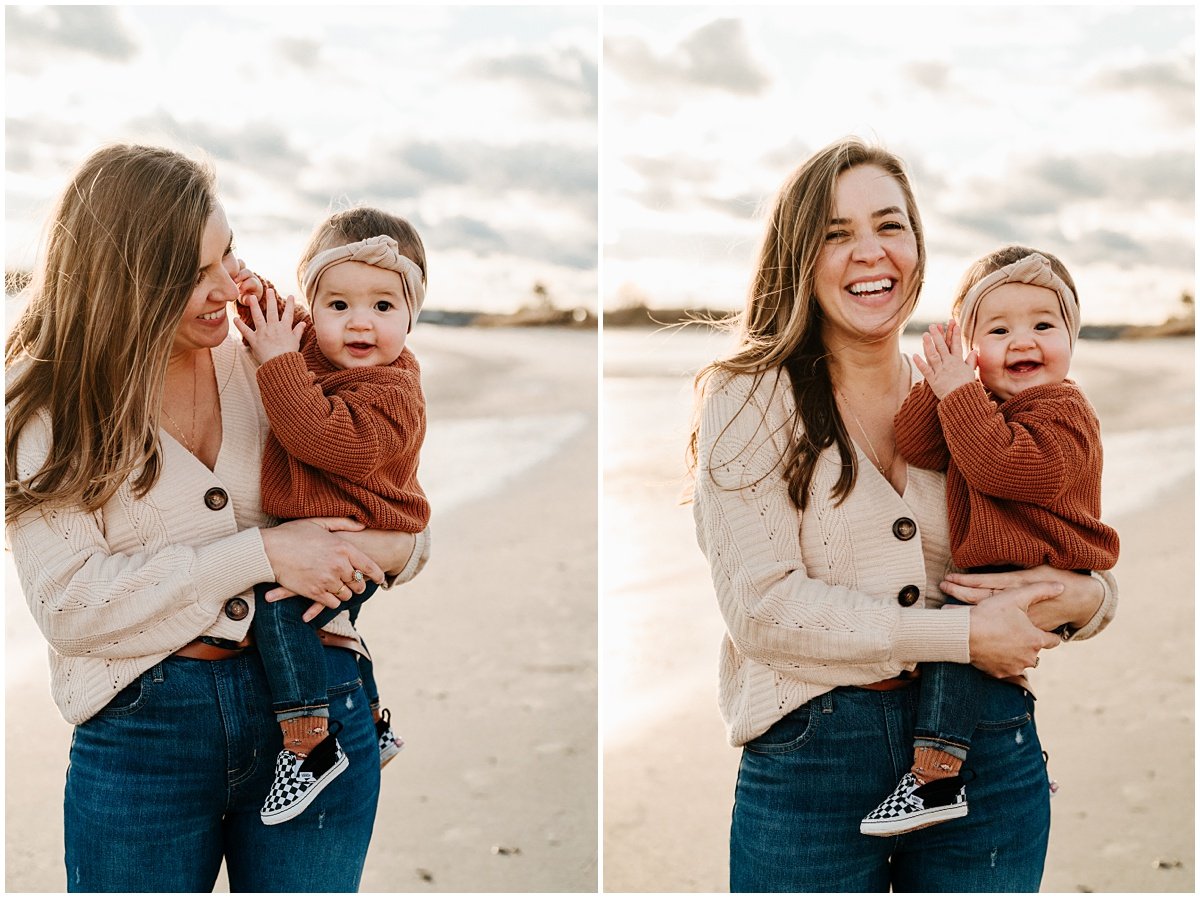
(643, 316)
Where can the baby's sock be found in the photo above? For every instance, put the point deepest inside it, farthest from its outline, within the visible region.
(301, 734)
(934, 764)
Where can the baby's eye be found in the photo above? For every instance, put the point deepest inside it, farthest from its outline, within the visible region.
(383, 305)
(1043, 325)
(998, 331)
(338, 305)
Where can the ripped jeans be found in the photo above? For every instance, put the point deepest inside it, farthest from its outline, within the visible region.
(804, 785)
(167, 781)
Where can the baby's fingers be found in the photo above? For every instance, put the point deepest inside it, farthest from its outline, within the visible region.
(922, 366)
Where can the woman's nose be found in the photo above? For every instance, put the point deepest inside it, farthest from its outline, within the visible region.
(868, 248)
(225, 286)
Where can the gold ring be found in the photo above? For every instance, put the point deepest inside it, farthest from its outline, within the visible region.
(1037, 660)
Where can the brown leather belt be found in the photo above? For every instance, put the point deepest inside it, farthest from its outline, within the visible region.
(203, 651)
(340, 642)
(904, 679)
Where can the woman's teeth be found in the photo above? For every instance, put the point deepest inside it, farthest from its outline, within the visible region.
(872, 286)
(213, 316)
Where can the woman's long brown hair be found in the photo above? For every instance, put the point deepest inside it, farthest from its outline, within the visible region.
(780, 326)
(91, 348)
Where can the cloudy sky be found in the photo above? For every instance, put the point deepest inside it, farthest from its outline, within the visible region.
(1067, 128)
(476, 123)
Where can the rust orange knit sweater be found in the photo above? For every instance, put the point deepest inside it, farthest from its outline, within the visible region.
(343, 442)
(1022, 477)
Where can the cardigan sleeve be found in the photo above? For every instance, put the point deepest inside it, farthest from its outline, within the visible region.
(88, 599)
(1032, 455)
(919, 432)
(749, 529)
(350, 432)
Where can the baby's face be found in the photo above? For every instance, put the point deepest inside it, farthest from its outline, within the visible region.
(1022, 339)
(360, 315)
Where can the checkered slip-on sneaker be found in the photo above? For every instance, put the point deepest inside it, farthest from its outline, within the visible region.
(389, 743)
(300, 780)
(913, 806)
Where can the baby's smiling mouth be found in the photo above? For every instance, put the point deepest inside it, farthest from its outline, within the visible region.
(1024, 367)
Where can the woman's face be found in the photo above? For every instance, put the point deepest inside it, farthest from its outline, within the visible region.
(205, 323)
(867, 265)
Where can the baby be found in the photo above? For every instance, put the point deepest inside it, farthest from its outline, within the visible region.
(343, 396)
(1021, 450)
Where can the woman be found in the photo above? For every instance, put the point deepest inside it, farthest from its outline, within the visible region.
(828, 554)
(132, 456)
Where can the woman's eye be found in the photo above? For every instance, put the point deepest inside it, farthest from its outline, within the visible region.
(199, 279)
(835, 236)
(891, 226)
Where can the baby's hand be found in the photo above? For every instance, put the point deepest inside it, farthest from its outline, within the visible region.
(943, 368)
(250, 286)
(273, 333)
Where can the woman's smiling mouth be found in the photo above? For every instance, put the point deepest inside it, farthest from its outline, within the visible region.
(873, 288)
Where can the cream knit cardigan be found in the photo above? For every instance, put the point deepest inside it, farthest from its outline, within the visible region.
(810, 599)
(116, 591)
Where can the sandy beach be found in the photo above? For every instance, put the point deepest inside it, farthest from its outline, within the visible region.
(1116, 713)
(496, 789)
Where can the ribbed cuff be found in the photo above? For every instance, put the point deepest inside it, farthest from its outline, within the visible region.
(924, 634)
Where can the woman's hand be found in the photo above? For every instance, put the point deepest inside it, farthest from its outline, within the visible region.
(1004, 641)
(275, 330)
(391, 549)
(1075, 605)
(310, 558)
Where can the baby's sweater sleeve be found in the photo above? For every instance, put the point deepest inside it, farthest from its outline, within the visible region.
(350, 432)
(919, 436)
(89, 600)
(749, 529)
(1034, 454)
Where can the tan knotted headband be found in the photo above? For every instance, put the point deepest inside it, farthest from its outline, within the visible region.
(382, 252)
(1032, 269)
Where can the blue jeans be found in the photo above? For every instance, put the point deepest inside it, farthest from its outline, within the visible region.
(294, 656)
(951, 698)
(168, 779)
(805, 784)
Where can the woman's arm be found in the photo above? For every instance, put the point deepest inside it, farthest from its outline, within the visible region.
(1085, 606)
(400, 556)
(749, 529)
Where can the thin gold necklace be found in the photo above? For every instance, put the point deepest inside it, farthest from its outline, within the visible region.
(885, 470)
(171, 418)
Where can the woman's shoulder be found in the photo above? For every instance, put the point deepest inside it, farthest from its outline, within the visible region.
(764, 385)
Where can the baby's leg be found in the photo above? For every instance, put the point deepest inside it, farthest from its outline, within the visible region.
(294, 660)
(948, 712)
